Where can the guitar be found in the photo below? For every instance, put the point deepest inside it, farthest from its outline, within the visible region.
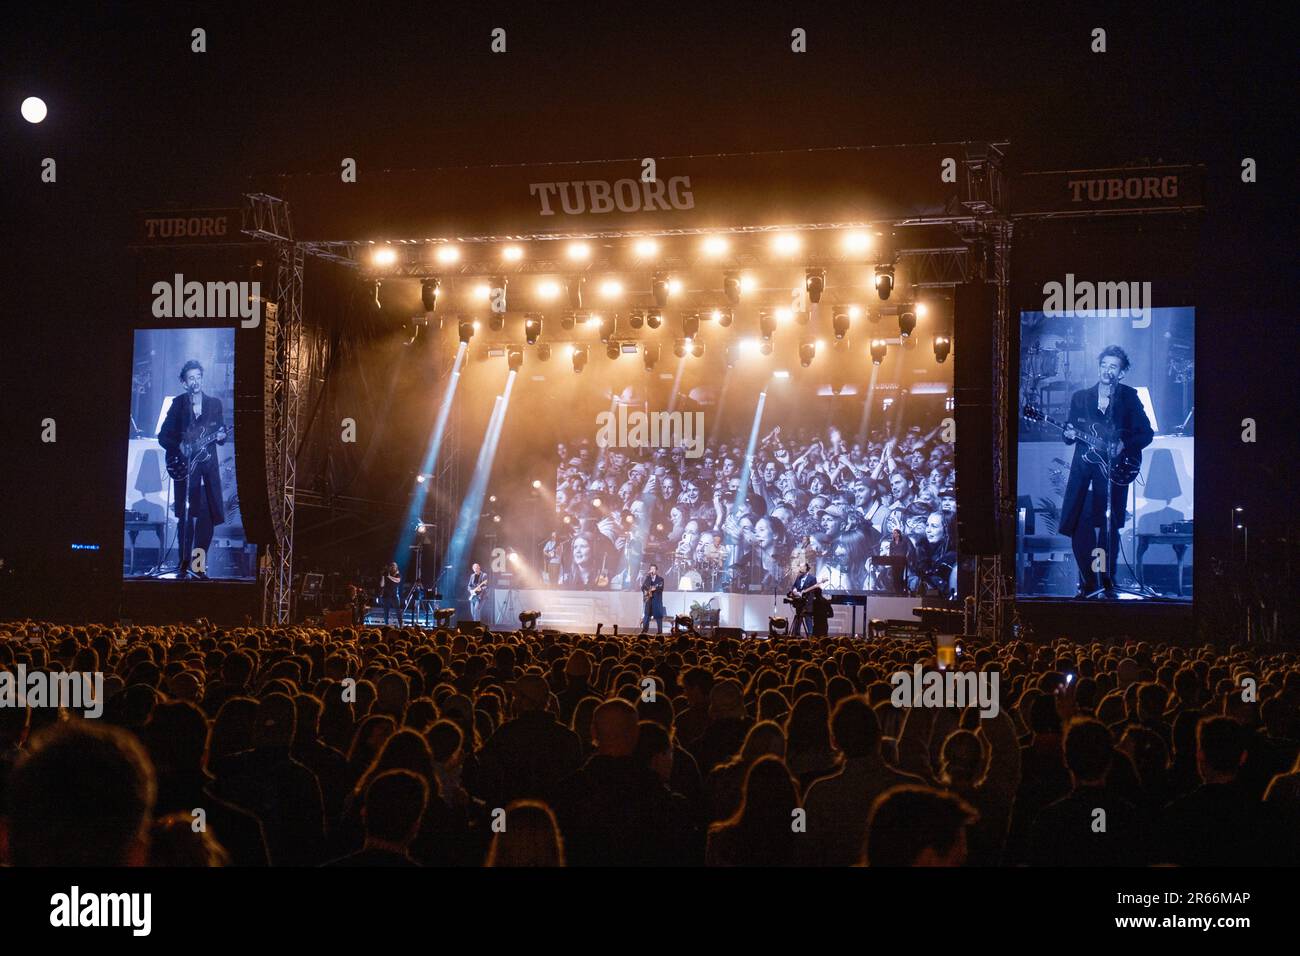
(193, 452)
(796, 597)
(1120, 468)
(647, 594)
(476, 589)
(602, 579)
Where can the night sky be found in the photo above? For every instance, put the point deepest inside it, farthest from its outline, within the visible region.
(138, 121)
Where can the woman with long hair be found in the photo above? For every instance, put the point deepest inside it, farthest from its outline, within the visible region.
(761, 831)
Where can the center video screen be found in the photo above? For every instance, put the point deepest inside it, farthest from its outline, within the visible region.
(1106, 455)
(182, 518)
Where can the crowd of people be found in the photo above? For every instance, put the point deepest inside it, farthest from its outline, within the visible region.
(386, 747)
(718, 523)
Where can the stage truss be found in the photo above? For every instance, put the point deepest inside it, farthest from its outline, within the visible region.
(983, 222)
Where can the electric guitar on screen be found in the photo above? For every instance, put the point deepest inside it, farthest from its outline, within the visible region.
(1121, 467)
(195, 449)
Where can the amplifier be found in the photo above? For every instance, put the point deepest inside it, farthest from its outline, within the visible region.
(1176, 527)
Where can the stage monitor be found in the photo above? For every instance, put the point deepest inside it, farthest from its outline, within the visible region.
(1106, 441)
(180, 463)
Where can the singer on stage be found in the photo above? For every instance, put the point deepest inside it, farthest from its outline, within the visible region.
(1113, 410)
(652, 592)
(194, 422)
(390, 589)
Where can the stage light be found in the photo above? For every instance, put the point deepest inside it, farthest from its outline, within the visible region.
(573, 285)
(592, 320)
(733, 355)
(766, 324)
(921, 309)
(659, 290)
(942, 346)
(568, 520)
(679, 348)
(532, 328)
(466, 331)
(906, 323)
(492, 499)
(697, 349)
(784, 315)
(776, 626)
(421, 528)
(512, 253)
(373, 286)
(420, 478)
(578, 251)
(815, 282)
(496, 519)
(650, 355)
(674, 286)
(384, 256)
(855, 312)
(429, 290)
(612, 350)
(611, 288)
(566, 320)
(748, 283)
(878, 348)
(724, 317)
(476, 325)
(608, 325)
(513, 557)
(635, 319)
(515, 357)
(654, 319)
(629, 519)
(765, 347)
(33, 109)
(548, 289)
(447, 254)
(731, 287)
(647, 248)
(807, 351)
(856, 243)
(840, 325)
(544, 352)
(528, 620)
(781, 373)
(748, 346)
(537, 483)
(595, 502)
(496, 321)
(483, 292)
(715, 246)
(579, 356)
(691, 325)
(785, 244)
(884, 281)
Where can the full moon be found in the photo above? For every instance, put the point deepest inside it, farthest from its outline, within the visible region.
(33, 109)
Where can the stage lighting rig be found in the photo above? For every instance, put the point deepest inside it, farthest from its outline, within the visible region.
(465, 328)
(429, 290)
(884, 280)
(528, 620)
(733, 355)
(815, 283)
(840, 325)
(878, 349)
(691, 325)
(567, 321)
(942, 348)
(697, 348)
(532, 327)
(807, 352)
(544, 352)
(579, 356)
(497, 321)
(515, 357)
(766, 325)
(608, 326)
(574, 286)
(650, 355)
(906, 323)
(724, 317)
(765, 347)
(731, 287)
(612, 350)
(635, 319)
(679, 348)
(654, 319)
(659, 289)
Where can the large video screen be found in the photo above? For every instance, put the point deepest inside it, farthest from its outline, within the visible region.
(1106, 454)
(182, 504)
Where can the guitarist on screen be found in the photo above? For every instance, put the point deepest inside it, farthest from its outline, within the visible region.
(1116, 411)
(194, 423)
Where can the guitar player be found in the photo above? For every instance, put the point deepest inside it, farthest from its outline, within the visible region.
(478, 582)
(812, 611)
(198, 502)
(652, 593)
(1112, 409)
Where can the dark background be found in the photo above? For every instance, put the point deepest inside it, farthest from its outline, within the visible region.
(138, 121)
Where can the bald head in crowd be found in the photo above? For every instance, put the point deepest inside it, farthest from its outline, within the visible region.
(615, 728)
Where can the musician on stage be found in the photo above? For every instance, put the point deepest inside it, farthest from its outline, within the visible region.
(1117, 414)
(199, 505)
(652, 593)
(478, 582)
(390, 590)
(811, 609)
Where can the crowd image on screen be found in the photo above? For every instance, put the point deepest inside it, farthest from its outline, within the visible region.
(445, 731)
(718, 522)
